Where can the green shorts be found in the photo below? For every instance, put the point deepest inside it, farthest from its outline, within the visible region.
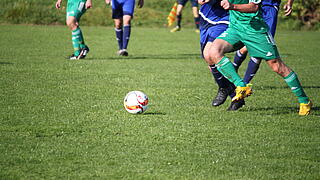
(259, 45)
(76, 8)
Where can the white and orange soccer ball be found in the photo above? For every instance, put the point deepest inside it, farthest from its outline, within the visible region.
(136, 102)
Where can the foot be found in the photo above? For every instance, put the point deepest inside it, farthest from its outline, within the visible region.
(221, 96)
(197, 31)
(73, 57)
(305, 109)
(242, 92)
(84, 52)
(123, 52)
(82, 55)
(235, 105)
(177, 28)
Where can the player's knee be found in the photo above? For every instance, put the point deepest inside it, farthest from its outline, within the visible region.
(215, 55)
(278, 67)
(117, 23)
(71, 24)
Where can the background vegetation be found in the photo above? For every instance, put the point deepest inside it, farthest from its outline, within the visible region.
(306, 14)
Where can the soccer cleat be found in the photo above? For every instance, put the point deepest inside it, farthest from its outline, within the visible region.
(242, 92)
(119, 52)
(82, 55)
(305, 109)
(177, 28)
(221, 96)
(123, 52)
(84, 52)
(73, 57)
(197, 31)
(235, 105)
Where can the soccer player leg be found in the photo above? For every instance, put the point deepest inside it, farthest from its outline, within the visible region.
(195, 11)
(225, 87)
(265, 48)
(75, 10)
(221, 45)
(291, 78)
(252, 69)
(239, 57)
(117, 14)
(227, 42)
(181, 4)
(128, 9)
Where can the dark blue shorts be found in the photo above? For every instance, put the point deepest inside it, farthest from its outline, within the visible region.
(194, 3)
(210, 33)
(270, 16)
(122, 7)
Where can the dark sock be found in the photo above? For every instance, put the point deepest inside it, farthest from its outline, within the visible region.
(221, 80)
(238, 59)
(119, 34)
(252, 68)
(179, 18)
(126, 36)
(197, 22)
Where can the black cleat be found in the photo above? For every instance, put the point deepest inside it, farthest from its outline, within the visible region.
(235, 105)
(84, 52)
(82, 55)
(221, 96)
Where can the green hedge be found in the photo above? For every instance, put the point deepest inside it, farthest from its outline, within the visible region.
(306, 14)
(154, 13)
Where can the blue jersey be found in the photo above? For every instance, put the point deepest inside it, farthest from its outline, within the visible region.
(212, 13)
(271, 3)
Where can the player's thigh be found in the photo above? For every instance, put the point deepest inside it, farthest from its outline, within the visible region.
(232, 37)
(270, 15)
(261, 45)
(76, 8)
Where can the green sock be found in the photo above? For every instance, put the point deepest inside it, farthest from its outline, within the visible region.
(226, 68)
(77, 41)
(295, 86)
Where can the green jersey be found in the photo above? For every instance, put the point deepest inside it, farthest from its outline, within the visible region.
(247, 22)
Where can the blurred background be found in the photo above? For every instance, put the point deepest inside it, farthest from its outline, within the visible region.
(305, 16)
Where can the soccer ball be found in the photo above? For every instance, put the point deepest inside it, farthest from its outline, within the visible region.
(136, 102)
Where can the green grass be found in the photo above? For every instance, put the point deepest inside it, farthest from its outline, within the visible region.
(63, 119)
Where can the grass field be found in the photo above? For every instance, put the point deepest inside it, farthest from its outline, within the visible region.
(63, 119)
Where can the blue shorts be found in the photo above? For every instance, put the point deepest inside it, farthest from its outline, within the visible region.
(122, 7)
(270, 16)
(210, 33)
(194, 3)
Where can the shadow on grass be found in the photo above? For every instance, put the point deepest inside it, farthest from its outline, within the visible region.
(279, 110)
(154, 113)
(282, 87)
(151, 57)
(5, 63)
